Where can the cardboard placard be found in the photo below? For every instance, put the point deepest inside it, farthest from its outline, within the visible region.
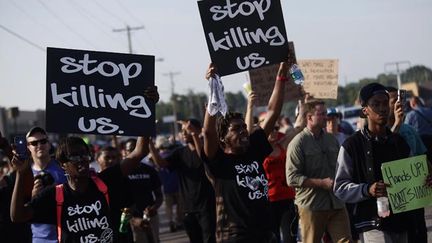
(243, 35)
(407, 179)
(263, 79)
(321, 77)
(99, 93)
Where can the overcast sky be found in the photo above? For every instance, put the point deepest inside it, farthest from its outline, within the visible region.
(363, 35)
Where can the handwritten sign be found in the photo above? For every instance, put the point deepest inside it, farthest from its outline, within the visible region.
(407, 179)
(263, 79)
(321, 77)
(99, 93)
(243, 35)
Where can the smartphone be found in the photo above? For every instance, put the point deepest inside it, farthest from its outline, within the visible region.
(21, 147)
(402, 96)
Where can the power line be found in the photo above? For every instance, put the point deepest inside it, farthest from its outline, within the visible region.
(128, 12)
(65, 24)
(35, 20)
(22, 38)
(109, 12)
(101, 20)
(83, 12)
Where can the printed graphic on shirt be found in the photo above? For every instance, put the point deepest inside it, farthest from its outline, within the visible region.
(89, 223)
(252, 179)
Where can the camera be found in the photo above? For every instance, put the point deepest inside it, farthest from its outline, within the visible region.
(46, 178)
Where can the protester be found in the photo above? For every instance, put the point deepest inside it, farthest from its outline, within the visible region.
(196, 193)
(46, 171)
(420, 117)
(107, 157)
(86, 207)
(333, 125)
(10, 232)
(416, 233)
(170, 184)
(311, 161)
(358, 176)
(145, 186)
(283, 213)
(234, 163)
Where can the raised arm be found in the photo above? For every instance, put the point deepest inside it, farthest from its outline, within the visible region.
(22, 191)
(398, 116)
(211, 143)
(133, 159)
(276, 100)
(249, 112)
(161, 162)
(142, 145)
(299, 124)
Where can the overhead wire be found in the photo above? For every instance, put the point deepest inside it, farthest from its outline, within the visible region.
(83, 12)
(23, 38)
(35, 20)
(66, 25)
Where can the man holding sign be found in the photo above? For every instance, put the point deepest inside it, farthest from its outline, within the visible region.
(358, 177)
(243, 35)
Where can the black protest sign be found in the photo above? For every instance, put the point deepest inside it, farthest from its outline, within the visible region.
(243, 35)
(99, 93)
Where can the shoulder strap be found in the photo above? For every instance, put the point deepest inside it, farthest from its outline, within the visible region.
(423, 116)
(101, 186)
(59, 199)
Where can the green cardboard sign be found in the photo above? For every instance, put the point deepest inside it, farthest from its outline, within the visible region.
(407, 179)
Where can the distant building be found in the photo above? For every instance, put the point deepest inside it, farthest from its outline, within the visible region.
(423, 91)
(24, 120)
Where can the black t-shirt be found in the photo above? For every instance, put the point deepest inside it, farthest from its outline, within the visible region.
(86, 217)
(196, 191)
(11, 232)
(143, 181)
(241, 187)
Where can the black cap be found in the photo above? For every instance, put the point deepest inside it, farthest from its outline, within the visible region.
(34, 130)
(368, 91)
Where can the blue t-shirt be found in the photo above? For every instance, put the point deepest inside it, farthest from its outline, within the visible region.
(420, 118)
(47, 233)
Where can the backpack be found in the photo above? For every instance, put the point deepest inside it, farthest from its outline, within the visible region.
(60, 199)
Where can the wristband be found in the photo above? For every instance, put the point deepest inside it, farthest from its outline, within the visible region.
(282, 78)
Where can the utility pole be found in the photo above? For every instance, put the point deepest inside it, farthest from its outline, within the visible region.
(398, 71)
(128, 32)
(173, 100)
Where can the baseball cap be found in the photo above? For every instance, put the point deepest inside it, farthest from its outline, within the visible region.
(368, 91)
(332, 111)
(34, 130)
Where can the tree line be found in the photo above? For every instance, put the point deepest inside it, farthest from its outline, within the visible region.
(191, 105)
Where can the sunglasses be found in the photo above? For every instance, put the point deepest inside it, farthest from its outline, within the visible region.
(79, 159)
(40, 141)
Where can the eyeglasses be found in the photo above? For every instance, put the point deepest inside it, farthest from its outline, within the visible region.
(79, 159)
(40, 141)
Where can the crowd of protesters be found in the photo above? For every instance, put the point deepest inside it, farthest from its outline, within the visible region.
(233, 178)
